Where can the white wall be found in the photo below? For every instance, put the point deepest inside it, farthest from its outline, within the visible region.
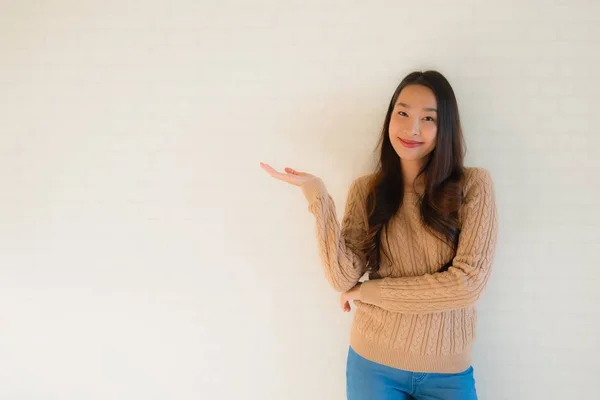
(145, 255)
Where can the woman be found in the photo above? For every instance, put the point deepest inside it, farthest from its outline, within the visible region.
(423, 227)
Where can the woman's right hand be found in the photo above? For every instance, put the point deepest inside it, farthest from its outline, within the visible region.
(291, 176)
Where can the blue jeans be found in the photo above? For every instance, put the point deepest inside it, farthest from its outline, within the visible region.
(367, 380)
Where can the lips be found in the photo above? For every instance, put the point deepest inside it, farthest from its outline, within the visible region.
(410, 143)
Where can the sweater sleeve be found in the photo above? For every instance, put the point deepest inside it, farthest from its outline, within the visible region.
(463, 283)
(339, 244)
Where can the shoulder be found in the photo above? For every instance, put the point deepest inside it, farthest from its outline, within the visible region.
(361, 185)
(479, 204)
(363, 181)
(478, 190)
(477, 179)
(476, 173)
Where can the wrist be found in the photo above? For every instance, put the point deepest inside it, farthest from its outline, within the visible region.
(369, 292)
(357, 291)
(313, 189)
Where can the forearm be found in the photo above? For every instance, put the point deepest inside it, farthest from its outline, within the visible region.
(427, 294)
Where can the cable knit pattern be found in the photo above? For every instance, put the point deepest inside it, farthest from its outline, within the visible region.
(411, 316)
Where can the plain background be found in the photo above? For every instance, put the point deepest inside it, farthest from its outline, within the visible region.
(145, 255)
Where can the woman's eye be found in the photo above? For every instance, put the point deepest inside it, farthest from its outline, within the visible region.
(403, 114)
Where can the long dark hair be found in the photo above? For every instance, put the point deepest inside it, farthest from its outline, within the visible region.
(442, 173)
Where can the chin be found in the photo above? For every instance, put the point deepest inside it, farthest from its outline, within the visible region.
(410, 158)
(408, 155)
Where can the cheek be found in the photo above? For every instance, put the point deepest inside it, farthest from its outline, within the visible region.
(429, 133)
(398, 125)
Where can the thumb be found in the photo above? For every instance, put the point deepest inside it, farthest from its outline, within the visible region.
(294, 172)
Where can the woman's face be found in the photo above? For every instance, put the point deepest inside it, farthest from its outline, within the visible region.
(413, 124)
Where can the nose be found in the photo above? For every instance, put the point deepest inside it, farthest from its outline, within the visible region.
(415, 127)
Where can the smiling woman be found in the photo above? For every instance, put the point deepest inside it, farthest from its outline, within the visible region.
(413, 123)
(424, 228)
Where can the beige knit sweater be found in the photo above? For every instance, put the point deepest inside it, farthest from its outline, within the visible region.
(411, 316)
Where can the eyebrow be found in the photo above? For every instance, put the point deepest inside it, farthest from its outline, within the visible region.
(407, 106)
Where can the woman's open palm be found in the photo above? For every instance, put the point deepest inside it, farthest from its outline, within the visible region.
(291, 176)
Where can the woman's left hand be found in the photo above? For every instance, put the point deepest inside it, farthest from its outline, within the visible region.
(350, 295)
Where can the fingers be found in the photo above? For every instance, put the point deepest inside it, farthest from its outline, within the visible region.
(272, 171)
(290, 175)
(345, 304)
(278, 175)
(267, 168)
